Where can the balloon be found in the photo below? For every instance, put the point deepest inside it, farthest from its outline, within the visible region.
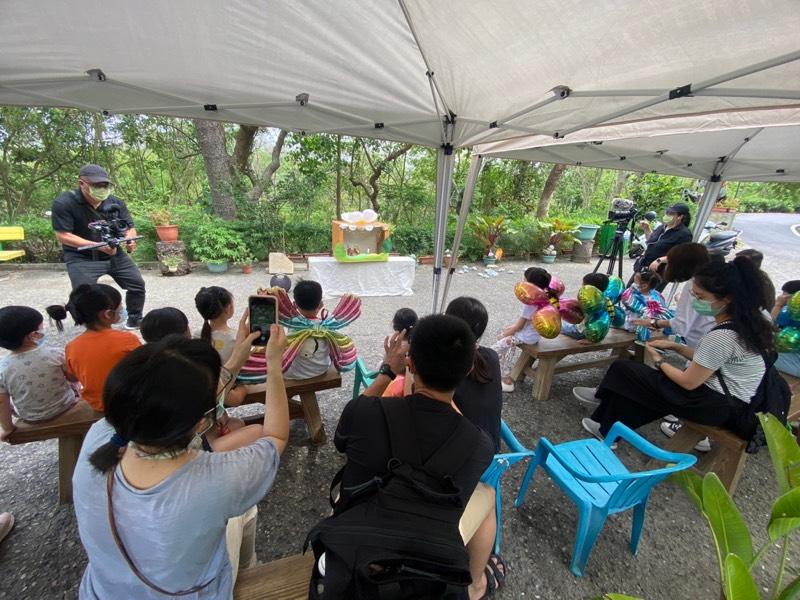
(788, 339)
(530, 294)
(591, 299)
(282, 281)
(614, 289)
(794, 306)
(597, 326)
(571, 311)
(547, 322)
(556, 285)
(784, 318)
(617, 315)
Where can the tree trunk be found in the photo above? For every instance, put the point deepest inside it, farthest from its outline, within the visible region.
(372, 185)
(338, 176)
(211, 137)
(549, 187)
(622, 178)
(243, 150)
(266, 177)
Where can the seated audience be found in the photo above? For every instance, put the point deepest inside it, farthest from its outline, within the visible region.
(152, 509)
(404, 320)
(215, 305)
(598, 280)
(314, 358)
(788, 362)
(161, 322)
(769, 288)
(643, 301)
(92, 354)
(33, 378)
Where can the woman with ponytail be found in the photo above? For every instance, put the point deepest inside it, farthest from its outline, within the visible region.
(215, 305)
(152, 508)
(723, 371)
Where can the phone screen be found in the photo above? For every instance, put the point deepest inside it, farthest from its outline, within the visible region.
(262, 315)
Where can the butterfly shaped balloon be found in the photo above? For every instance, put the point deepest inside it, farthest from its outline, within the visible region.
(651, 305)
(600, 309)
(551, 308)
(788, 337)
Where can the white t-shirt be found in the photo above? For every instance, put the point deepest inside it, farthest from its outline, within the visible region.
(687, 322)
(36, 382)
(314, 359)
(223, 341)
(741, 368)
(528, 335)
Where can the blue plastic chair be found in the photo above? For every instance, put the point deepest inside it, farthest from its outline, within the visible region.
(500, 464)
(599, 484)
(363, 378)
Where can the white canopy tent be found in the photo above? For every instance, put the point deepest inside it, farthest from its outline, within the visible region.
(443, 74)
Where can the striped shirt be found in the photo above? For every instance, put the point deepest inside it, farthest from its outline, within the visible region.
(742, 369)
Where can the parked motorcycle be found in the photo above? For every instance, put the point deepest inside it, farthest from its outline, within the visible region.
(717, 240)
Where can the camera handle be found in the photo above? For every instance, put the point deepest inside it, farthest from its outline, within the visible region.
(113, 243)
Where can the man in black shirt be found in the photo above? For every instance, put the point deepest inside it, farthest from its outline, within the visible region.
(674, 231)
(71, 214)
(440, 356)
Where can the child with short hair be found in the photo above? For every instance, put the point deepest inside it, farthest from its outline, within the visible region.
(91, 356)
(521, 331)
(404, 320)
(215, 305)
(314, 358)
(642, 300)
(598, 280)
(787, 362)
(33, 378)
(161, 322)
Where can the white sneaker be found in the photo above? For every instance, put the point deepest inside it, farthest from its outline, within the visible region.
(585, 395)
(593, 427)
(6, 524)
(507, 387)
(672, 419)
(703, 445)
(670, 428)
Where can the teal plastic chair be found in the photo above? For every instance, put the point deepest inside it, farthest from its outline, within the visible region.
(500, 464)
(599, 484)
(363, 378)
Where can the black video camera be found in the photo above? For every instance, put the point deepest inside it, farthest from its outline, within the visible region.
(622, 211)
(112, 233)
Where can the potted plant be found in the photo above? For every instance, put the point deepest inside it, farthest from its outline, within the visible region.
(563, 235)
(165, 230)
(171, 263)
(246, 261)
(216, 244)
(549, 254)
(488, 230)
(587, 231)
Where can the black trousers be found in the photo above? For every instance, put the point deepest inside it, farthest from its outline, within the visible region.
(120, 268)
(636, 394)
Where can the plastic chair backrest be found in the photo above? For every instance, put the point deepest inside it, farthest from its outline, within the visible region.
(509, 439)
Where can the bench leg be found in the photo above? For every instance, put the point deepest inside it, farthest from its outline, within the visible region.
(68, 450)
(727, 461)
(543, 377)
(316, 430)
(524, 361)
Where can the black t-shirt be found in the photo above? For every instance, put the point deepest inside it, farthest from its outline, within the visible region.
(482, 403)
(72, 214)
(662, 239)
(362, 434)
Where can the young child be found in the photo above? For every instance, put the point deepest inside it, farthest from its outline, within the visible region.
(522, 331)
(404, 320)
(788, 362)
(33, 378)
(642, 300)
(314, 357)
(598, 280)
(161, 322)
(92, 355)
(215, 305)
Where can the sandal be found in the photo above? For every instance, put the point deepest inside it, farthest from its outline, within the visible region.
(491, 583)
(495, 565)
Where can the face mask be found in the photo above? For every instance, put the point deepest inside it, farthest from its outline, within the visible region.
(40, 341)
(703, 307)
(220, 408)
(100, 193)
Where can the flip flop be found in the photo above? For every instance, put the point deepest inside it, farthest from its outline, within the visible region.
(495, 564)
(491, 583)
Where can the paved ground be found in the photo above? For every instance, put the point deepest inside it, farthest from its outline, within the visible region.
(43, 557)
(774, 235)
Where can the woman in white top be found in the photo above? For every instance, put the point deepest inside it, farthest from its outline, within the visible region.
(723, 372)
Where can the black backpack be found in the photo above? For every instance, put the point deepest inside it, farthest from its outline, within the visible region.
(397, 537)
(772, 396)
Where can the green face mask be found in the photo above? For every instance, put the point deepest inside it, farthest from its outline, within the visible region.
(101, 193)
(703, 307)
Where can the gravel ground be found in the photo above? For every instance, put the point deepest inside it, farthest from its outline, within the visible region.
(43, 557)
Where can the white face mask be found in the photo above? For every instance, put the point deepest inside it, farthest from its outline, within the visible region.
(100, 193)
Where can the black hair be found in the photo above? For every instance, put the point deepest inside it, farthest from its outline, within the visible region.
(598, 280)
(791, 287)
(210, 302)
(156, 395)
(16, 323)
(651, 278)
(538, 276)
(161, 322)
(85, 304)
(442, 349)
(308, 295)
(687, 219)
(752, 254)
(684, 260)
(741, 283)
(474, 314)
(404, 320)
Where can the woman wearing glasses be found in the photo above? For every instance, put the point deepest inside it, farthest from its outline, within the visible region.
(152, 507)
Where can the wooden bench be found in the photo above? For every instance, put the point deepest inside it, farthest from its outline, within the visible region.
(307, 407)
(550, 353)
(11, 234)
(70, 429)
(282, 579)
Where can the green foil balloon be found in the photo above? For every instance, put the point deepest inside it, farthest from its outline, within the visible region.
(591, 299)
(614, 289)
(794, 306)
(788, 339)
(597, 326)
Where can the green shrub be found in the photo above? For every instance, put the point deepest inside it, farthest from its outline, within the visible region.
(214, 241)
(40, 244)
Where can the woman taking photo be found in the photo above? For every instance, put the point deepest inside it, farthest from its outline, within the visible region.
(151, 507)
(729, 356)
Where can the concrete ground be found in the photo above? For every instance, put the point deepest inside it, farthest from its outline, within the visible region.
(43, 557)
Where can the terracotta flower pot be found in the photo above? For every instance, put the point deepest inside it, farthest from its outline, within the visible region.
(167, 233)
(247, 269)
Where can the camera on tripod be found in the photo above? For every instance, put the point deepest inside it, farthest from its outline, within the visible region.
(112, 233)
(622, 212)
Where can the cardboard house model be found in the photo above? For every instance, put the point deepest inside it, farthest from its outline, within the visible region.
(360, 237)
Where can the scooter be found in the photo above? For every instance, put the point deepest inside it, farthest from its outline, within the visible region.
(717, 240)
(639, 243)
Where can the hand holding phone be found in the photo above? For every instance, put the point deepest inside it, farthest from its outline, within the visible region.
(263, 313)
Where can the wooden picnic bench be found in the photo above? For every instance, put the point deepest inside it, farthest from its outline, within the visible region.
(550, 353)
(70, 429)
(306, 407)
(282, 579)
(11, 234)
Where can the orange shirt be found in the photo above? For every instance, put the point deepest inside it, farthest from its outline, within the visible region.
(92, 355)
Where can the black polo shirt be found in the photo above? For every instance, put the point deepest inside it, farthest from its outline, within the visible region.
(71, 213)
(662, 240)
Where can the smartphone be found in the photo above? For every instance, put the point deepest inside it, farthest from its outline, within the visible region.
(263, 313)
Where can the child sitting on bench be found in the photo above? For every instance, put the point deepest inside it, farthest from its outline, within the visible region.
(33, 378)
(404, 320)
(161, 322)
(215, 305)
(314, 357)
(598, 280)
(642, 300)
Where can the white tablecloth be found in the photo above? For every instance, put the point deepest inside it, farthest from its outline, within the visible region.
(392, 278)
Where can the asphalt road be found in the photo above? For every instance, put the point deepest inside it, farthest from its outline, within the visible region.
(772, 234)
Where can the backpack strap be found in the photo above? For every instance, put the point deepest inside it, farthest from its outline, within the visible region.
(399, 421)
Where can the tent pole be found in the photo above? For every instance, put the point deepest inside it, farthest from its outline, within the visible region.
(710, 193)
(444, 181)
(476, 162)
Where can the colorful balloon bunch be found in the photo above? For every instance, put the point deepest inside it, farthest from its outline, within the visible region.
(788, 338)
(551, 308)
(600, 310)
(641, 306)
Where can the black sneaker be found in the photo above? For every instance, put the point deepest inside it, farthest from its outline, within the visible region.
(133, 322)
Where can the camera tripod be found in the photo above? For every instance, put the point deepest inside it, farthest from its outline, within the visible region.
(615, 254)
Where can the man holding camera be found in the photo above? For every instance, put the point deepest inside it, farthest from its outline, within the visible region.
(72, 214)
(674, 231)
